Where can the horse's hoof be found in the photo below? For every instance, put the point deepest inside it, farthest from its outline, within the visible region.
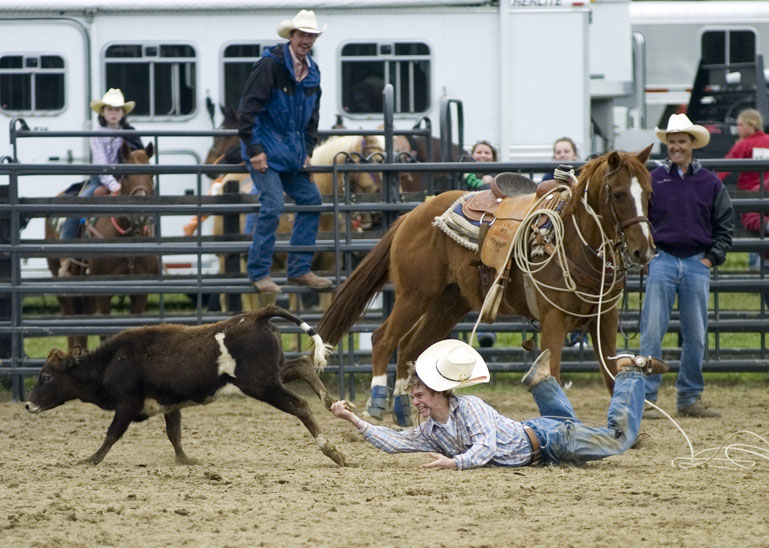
(402, 410)
(377, 404)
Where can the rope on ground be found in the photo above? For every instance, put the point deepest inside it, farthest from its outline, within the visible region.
(729, 456)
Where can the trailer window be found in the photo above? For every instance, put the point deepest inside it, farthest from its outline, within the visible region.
(31, 83)
(367, 67)
(159, 77)
(728, 46)
(238, 60)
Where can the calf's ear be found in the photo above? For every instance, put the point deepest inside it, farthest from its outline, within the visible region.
(55, 356)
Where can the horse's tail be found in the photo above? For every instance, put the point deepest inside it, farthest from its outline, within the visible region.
(321, 349)
(354, 294)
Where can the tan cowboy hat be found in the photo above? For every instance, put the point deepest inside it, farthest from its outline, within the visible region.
(451, 364)
(113, 98)
(304, 21)
(680, 123)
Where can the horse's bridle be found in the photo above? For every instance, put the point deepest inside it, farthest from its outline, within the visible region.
(620, 242)
(138, 225)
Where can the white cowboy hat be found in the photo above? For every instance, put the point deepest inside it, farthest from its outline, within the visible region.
(451, 364)
(304, 21)
(113, 98)
(680, 123)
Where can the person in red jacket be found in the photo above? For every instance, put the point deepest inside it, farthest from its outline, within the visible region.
(753, 144)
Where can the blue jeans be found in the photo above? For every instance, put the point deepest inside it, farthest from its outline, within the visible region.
(690, 280)
(270, 187)
(70, 225)
(564, 439)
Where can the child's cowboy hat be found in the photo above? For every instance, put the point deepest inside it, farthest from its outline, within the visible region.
(304, 21)
(680, 123)
(113, 98)
(451, 364)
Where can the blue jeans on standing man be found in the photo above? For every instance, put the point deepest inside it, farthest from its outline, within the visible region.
(270, 186)
(564, 439)
(688, 278)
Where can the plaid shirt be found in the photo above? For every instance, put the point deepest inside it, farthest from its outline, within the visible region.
(105, 150)
(481, 436)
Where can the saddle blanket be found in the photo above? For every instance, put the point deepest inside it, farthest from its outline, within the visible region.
(457, 227)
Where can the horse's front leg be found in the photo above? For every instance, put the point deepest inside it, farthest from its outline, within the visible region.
(606, 345)
(554, 330)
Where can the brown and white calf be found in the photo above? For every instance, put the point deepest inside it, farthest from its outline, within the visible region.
(147, 371)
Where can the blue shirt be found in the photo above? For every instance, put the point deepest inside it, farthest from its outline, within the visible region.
(478, 435)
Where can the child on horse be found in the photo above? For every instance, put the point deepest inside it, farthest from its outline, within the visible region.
(112, 109)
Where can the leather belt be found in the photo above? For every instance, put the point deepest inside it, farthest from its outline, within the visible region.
(536, 454)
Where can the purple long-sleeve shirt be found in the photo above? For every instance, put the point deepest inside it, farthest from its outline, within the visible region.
(690, 214)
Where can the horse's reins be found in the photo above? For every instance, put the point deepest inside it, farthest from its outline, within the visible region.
(139, 222)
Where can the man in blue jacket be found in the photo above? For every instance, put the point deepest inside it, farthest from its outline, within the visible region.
(278, 119)
(692, 220)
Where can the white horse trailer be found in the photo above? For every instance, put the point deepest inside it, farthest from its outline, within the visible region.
(526, 71)
(669, 39)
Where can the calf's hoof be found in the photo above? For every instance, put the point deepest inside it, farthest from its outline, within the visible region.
(93, 459)
(330, 451)
(185, 460)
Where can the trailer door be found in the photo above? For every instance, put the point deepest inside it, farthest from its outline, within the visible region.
(44, 81)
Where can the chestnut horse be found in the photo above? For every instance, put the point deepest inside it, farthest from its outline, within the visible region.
(133, 226)
(436, 282)
(110, 227)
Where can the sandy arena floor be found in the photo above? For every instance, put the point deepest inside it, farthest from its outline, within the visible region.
(261, 481)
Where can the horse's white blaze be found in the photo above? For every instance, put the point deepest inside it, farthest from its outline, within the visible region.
(225, 361)
(636, 191)
(400, 387)
(379, 380)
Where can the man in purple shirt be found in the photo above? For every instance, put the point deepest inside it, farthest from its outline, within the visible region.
(692, 222)
(462, 432)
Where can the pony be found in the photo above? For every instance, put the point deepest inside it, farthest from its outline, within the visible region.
(437, 282)
(133, 226)
(110, 227)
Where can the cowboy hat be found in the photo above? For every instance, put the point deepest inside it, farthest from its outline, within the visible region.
(304, 21)
(451, 364)
(113, 98)
(680, 123)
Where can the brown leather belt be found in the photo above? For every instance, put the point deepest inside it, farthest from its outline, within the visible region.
(536, 454)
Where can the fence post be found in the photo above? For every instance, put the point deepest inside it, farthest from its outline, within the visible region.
(231, 225)
(5, 298)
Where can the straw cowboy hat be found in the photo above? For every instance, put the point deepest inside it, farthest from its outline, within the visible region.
(451, 364)
(113, 98)
(680, 123)
(304, 21)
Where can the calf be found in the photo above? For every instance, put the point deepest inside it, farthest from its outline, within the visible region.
(146, 371)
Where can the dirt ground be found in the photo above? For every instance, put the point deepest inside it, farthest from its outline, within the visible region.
(261, 481)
